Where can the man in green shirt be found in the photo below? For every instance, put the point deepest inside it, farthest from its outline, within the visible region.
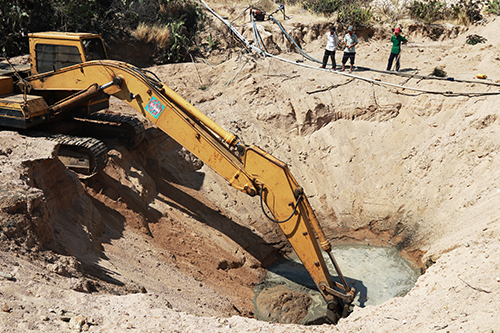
(396, 40)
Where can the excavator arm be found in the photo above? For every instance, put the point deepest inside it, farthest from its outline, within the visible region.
(247, 168)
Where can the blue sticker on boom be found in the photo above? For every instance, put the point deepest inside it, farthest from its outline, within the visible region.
(154, 107)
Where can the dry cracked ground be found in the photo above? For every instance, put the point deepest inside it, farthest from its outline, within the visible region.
(157, 242)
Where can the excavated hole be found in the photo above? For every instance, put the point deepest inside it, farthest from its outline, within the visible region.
(288, 294)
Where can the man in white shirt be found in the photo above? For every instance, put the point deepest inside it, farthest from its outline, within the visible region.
(350, 41)
(331, 47)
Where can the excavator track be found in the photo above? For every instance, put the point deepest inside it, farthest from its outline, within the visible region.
(128, 129)
(84, 155)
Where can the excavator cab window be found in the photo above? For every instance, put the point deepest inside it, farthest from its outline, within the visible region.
(94, 49)
(51, 57)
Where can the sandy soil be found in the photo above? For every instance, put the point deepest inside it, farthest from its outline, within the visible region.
(154, 243)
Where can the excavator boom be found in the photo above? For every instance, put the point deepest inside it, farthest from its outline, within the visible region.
(247, 168)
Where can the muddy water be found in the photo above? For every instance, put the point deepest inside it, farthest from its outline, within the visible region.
(377, 273)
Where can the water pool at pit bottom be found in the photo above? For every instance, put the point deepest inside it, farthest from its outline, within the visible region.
(377, 274)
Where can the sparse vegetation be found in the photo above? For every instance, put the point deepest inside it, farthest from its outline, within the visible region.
(351, 12)
(493, 7)
(178, 49)
(19, 17)
(439, 72)
(427, 11)
(467, 11)
(361, 13)
(391, 11)
(212, 43)
(322, 6)
(170, 24)
(157, 34)
(474, 39)
(432, 11)
(355, 15)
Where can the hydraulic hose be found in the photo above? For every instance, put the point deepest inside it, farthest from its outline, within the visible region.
(299, 198)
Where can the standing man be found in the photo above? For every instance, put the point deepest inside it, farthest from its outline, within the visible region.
(331, 46)
(396, 40)
(350, 41)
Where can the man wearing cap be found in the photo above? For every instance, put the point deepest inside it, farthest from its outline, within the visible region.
(331, 46)
(350, 41)
(396, 40)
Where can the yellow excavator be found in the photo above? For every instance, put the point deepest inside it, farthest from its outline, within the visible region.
(45, 112)
(70, 77)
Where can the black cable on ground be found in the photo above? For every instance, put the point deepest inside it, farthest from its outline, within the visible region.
(257, 37)
(430, 77)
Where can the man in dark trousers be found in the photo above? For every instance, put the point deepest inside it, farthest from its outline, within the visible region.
(350, 41)
(396, 40)
(331, 46)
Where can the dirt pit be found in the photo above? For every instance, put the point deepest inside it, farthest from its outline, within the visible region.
(288, 294)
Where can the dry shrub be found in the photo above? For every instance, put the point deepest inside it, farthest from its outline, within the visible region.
(391, 11)
(233, 2)
(462, 18)
(157, 34)
(229, 10)
(439, 72)
(267, 5)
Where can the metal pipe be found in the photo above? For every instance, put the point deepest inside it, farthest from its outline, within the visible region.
(337, 268)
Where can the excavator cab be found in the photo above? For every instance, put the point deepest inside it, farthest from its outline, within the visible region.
(51, 51)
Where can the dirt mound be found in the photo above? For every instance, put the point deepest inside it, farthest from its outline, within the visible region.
(281, 305)
(24, 213)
